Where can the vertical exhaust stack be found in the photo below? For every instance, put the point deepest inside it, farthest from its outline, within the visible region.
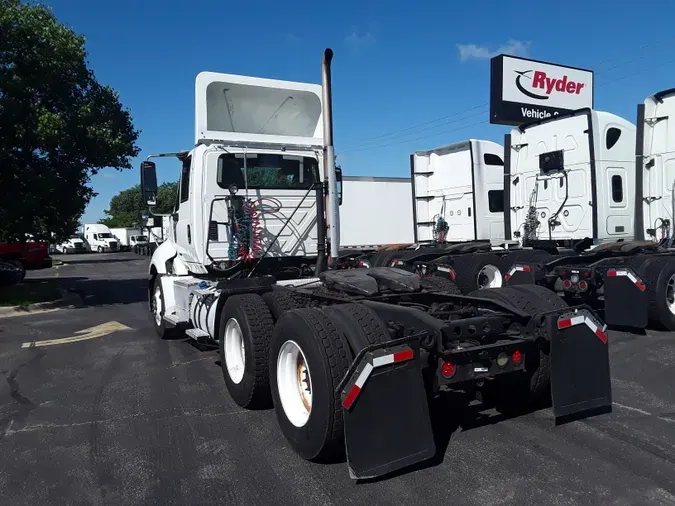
(332, 212)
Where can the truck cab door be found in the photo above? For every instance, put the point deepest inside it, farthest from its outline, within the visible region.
(184, 226)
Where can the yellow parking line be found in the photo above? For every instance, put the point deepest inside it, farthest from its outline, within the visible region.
(81, 335)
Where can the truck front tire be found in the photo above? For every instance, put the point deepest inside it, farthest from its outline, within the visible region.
(246, 326)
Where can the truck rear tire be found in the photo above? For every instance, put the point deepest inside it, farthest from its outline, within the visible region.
(308, 358)
(516, 392)
(384, 258)
(478, 271)
(280, 301)
(659, 276)
(440, 283)
(246, 326)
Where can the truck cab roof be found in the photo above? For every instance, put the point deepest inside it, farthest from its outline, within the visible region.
(235, 109)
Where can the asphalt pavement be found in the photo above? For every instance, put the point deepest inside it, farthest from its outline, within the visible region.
(114, 415)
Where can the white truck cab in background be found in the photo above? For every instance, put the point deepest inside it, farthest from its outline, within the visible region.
(128, 237)
(99, 238)
(74, 244)
(655, 171)
(571, 177)
(463, 184)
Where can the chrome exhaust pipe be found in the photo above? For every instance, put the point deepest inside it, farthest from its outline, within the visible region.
(332, 211)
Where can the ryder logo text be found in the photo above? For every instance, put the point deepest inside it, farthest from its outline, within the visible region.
(547, 85)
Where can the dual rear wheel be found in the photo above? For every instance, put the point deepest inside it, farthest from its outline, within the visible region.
(298, 371)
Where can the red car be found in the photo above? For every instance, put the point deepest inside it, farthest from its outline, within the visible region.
(27, 255)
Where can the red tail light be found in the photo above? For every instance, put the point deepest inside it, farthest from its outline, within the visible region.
(583, 285)
(517, 357)
(448, 369)
(567, 284)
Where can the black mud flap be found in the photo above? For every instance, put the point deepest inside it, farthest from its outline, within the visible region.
(519, 274)
(580, 377)
(387, 423)
(626, 299)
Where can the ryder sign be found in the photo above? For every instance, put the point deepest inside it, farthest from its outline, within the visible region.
(523, 91)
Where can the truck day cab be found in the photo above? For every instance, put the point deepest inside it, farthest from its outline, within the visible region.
(342, 355)
(99, 238)
(594, 175)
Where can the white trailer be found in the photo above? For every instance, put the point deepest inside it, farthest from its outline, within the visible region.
(98, 238)
(375, 211)
(342, 355)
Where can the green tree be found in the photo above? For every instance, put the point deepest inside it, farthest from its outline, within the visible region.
(58, 124)
(127, 207)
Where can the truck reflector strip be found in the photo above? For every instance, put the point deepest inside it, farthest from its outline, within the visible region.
(629, 274)
(449, 270)
(567, 322)
(517, 268)
(375, 361)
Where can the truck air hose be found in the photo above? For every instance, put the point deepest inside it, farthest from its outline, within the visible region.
(248, 240)
(441, 229)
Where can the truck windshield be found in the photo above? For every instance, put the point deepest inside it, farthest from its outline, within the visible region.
(105, 235)
(267, 171)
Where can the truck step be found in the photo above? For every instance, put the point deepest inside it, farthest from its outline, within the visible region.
(197, 334)
(176, 315)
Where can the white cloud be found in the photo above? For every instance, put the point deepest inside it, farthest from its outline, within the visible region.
(475, 52)
(109, 175)
(357, 41)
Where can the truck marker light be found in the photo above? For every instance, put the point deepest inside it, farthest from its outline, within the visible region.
(565, 323)
(391, 358)
(612, 273)
(448, 369)
(519, 268)
(517, 357)
(502, 359)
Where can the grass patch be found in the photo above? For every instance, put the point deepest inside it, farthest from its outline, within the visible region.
(29, 292)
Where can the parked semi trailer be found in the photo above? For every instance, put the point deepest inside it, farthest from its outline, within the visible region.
(347, 358)
(611, 182)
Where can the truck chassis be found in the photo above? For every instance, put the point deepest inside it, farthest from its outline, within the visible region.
(348, 360)
(632, 283)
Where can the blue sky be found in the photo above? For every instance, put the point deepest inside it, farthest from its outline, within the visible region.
(396, 65)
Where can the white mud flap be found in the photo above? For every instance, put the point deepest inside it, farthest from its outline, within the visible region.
(580, 376)
(387, 423)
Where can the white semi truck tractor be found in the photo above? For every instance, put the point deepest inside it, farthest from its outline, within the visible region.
(347, 357)
(590, 174)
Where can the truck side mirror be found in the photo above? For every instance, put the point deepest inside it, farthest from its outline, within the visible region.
(338, 183)
(149, 183)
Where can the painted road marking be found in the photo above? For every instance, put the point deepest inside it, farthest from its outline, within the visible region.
(82, 335)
